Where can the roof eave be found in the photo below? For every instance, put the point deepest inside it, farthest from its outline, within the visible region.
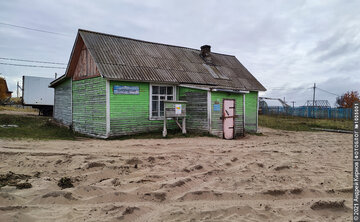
(57, 81)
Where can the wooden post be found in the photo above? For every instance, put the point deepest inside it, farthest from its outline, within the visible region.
(164, 130)
(184, 125)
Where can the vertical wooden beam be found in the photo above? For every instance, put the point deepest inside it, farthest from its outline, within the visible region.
(184, 125)
(244, 114)
(107, 108)
(209, 110)
(164, 130)
(71, 99)
(257, 112)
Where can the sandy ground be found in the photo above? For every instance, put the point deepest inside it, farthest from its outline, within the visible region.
(281, 176)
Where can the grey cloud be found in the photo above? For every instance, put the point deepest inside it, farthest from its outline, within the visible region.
(283, 43)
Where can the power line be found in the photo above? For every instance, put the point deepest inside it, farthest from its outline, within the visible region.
(24, 60)
(34, 66)
(327, 91)
(32, 29)
(284, 88)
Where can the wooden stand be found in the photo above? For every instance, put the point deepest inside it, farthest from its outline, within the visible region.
(169, 112)
(182, 126)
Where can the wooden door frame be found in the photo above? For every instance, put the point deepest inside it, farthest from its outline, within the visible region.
(223, 119)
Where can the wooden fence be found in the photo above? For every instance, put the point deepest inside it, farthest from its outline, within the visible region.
(310, 112)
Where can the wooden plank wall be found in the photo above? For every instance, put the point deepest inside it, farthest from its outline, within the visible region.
(129, 114)
(196, 109)
(85, 67)
(251, 111)
(62, 103)
(89, 106)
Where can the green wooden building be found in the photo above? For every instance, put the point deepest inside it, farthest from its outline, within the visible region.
(116, 86)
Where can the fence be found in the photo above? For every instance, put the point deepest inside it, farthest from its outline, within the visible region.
(310, 112)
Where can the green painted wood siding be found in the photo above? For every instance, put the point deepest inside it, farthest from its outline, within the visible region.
(196, 110)
(216, 122)
(129, 114)
(62, 103)
(89, 106)
(251, 111)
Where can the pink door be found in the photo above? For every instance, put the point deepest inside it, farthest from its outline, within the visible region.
(228, 118)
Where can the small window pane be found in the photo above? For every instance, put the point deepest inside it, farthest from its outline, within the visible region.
(162, 113)
(169, 98)
(161, 106)
(155, 114)
(154, 105)
(162, 90)
(162, 97)
(170, 90)
(155, 98)
(155, 89)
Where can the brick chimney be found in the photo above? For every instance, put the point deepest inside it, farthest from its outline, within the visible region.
(205, 53)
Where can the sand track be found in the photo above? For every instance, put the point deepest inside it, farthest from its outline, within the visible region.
(281, 176)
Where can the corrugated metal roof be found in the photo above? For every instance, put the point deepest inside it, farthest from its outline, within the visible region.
(128, 59)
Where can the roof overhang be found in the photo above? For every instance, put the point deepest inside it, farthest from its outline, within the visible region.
(214, 88)
(230, 91)
(57, 81)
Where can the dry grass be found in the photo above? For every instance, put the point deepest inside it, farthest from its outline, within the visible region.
(303, 124)
(17, 109)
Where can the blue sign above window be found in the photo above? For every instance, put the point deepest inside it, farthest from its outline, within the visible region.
(127, 90)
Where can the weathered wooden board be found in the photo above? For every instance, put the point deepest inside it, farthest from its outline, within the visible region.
(62, 103)
(196, 109)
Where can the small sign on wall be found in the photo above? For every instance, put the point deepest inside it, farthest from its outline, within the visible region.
(126, 90)
(177, 109)
(216, 107)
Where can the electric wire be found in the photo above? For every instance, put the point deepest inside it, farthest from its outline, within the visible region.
(34, 61)
(33, 29)
(327, 91)
(33, 66)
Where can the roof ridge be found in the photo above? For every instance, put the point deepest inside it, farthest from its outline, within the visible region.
(139, 40)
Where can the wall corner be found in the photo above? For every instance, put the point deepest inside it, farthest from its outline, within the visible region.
(107, 108)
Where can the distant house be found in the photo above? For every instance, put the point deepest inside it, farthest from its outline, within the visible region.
(117, 86)
(5, 94)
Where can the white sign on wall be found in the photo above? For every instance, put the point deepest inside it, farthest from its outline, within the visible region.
(177, 109)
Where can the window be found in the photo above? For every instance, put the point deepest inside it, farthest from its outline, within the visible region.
(157, 97)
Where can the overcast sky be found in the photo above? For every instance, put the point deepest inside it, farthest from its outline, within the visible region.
(287, 45)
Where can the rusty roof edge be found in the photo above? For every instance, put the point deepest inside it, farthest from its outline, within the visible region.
(157, 43)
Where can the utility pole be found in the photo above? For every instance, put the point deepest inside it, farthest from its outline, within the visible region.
(293, 109)
(314, 101)
(293, 102)
(17, 89)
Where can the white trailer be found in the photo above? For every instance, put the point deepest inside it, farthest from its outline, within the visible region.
(36, 93)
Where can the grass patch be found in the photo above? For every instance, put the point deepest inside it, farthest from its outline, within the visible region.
(17, 109)
(33, 127)
(292, 123)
